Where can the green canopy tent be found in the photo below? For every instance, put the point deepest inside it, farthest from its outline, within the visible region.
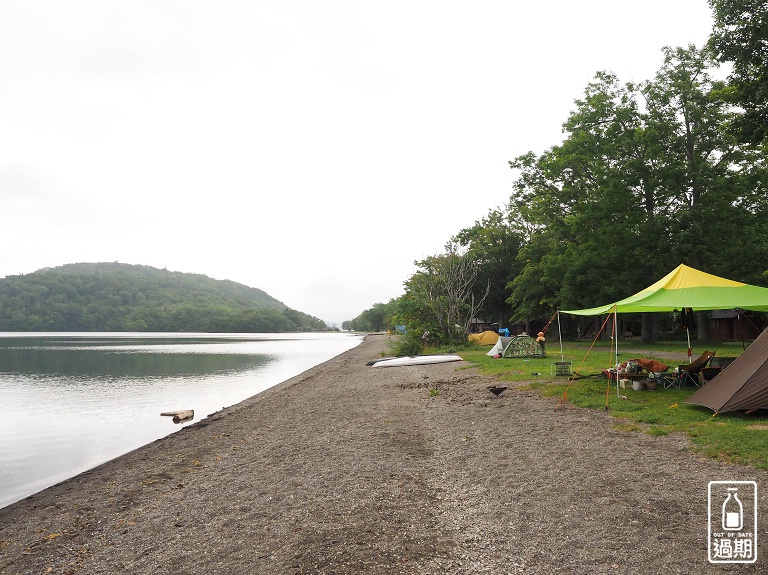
(685, 287)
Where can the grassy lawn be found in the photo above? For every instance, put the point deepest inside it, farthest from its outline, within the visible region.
(734, 437)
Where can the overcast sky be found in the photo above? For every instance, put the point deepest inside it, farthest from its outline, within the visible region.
(313, 149)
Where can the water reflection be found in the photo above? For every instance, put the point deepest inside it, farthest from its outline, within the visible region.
(136, 362)
(129, 356)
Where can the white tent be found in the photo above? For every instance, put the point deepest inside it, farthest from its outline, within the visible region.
(499, 347)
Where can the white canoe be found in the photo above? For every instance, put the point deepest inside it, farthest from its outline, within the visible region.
(415, 360)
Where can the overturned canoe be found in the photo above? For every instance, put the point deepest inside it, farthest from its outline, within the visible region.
(370, 363)
(413, 360)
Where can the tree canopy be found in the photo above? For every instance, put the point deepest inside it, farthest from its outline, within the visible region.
(380, 317)
(740, 36)
(122, 297)
(647, 177)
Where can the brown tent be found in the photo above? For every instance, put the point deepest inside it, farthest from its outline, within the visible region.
(742, 385)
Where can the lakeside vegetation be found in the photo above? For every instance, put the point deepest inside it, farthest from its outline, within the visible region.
(122, 297)
(734, 436)
(649, 174)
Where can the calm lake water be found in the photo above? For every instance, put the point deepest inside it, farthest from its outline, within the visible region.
(69, 402)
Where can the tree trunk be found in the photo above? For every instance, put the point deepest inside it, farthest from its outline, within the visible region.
(702, 331)
(648, 334)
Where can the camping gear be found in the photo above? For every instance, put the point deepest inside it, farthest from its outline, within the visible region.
(413, 360)
(691, 373)
(742, 385)
(523, 345)
(485, 338)
(561, 368)
(650, 365)
(716, 365)
(684, 289)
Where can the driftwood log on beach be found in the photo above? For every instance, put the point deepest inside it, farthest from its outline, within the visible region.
(181, 415)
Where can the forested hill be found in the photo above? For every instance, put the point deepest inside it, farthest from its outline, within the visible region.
(122, 297)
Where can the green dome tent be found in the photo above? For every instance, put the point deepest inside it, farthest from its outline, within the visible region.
(523, 345)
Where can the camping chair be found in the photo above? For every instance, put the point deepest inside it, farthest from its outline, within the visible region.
(668, 380)
(691, 373)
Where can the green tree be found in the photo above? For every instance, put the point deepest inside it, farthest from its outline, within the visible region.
(592, 204)
(740, 36)
(494, 243)
(704, 168)
(379, 317)
(441, 297)
(646, 177)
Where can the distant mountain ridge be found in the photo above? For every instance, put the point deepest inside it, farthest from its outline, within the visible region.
(126, 297)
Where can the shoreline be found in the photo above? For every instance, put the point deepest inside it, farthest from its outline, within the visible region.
(63, 425)
(348, 469)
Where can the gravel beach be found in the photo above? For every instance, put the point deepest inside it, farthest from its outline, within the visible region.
(349, 469)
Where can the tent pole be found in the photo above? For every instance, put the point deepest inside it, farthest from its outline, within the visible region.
(688, 333)
(616, 340)
(741, 329)
(560, 335)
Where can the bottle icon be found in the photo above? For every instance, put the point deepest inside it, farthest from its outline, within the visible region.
(733, 511)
